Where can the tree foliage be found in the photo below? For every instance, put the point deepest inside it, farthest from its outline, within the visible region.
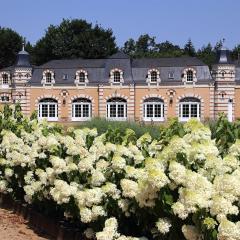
(73, 39)
(10, 44)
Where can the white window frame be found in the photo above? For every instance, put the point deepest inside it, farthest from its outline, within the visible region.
(112, 77)
(48, 81)
(81, 104)
(190, 104)
(154, 104)
(117, 104)
(4, 85)
(48, 104)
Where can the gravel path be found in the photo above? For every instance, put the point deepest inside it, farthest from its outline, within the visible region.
(13, 227)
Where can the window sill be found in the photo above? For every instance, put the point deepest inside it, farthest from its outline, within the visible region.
(4, 86)
(116, 119)
(188, 118)
(49, 119)
(81, 119)
(153, 119)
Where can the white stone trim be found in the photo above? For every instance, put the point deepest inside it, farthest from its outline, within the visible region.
(153, 96)
(184, 78)
(193, 95)
(80, 96)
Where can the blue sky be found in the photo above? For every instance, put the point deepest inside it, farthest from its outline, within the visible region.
(175, 20)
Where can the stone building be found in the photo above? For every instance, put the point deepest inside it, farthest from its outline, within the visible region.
(121, 88)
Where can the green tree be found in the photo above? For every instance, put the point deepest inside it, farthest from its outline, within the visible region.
(145, 45)
(72, 39)
(189, 49)
(167, 49)
(129, 47)
(10, 45)
(236, 52)
(207, 54)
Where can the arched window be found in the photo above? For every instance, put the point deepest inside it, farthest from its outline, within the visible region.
(189, 107)
(189, 76)
(117, 109)
(81, 77)
(116, 77)
(48, 77)
(154, 76)
(48, 108)
(81, 109)
(153, 109)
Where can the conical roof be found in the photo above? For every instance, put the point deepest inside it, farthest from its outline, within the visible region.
(23, 59)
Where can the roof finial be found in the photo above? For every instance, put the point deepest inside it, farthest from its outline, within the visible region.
(23, 44)
(223, 41)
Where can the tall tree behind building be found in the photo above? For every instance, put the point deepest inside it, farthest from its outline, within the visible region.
(10, 44)
(73, 39)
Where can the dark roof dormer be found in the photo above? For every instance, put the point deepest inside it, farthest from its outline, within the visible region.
(224, 56)
(23, 59)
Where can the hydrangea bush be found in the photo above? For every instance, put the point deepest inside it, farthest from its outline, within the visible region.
(126, 187)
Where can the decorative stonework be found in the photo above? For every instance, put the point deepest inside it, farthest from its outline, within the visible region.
(193, 95)
(153, 96)
(46, 81)
(78, 80)
(185, 76)
(80, 96)
(49, 96)
(153, 73)
(112, 78)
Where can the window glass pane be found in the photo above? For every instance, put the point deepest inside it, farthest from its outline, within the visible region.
(113, 110)
(77, 110)
(185, 110)
(121, 110)
(116, 76)
(149, 110)
(44, 110)
(158, 111)
(189, 76)
(153, 76)
(85, 110)
(194, 110)
(52, 109)
(81, 77)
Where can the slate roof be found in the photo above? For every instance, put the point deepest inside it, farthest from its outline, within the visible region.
(135, 70)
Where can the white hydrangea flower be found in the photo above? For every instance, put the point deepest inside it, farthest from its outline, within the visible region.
(163, 225)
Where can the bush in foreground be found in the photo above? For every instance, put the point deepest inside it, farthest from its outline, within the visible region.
(175, 187)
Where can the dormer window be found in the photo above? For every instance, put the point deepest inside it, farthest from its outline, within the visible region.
(81, 77)
(48, 77)
(116, 76)
(5, 79)
(153, 76)
(189, 75)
